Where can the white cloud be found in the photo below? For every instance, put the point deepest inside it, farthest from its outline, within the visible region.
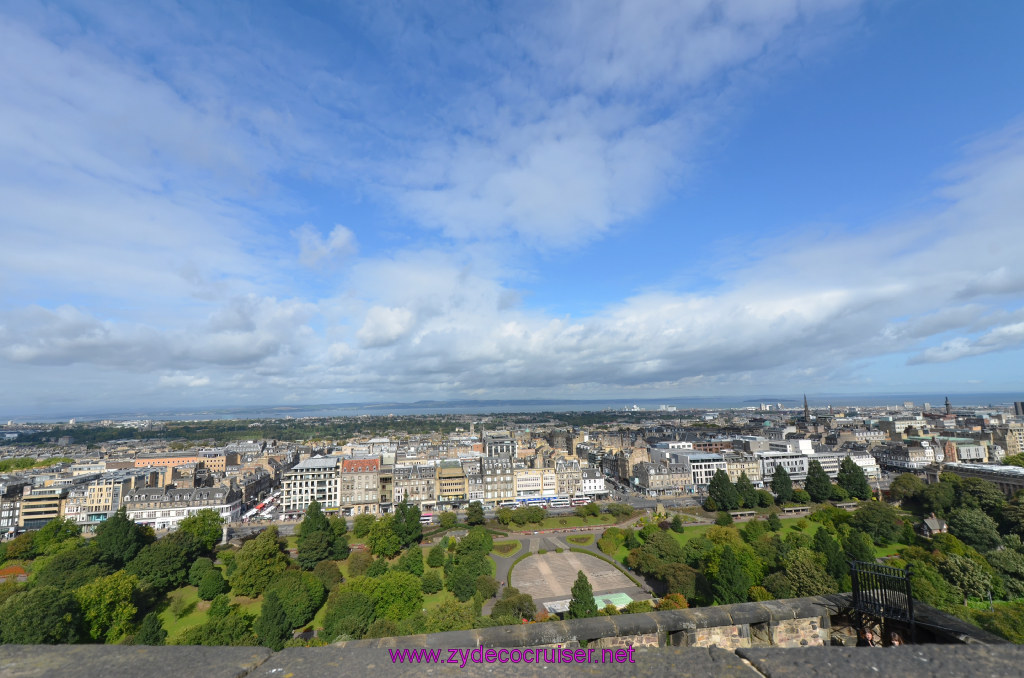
(183, 380)
(314, 249)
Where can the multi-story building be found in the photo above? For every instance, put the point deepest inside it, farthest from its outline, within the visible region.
(472, 469)
(416, 485)
(498, 480)
(592, 483)
(535, 482)
(91, 502)
(359, 486)
(737, 464)
(499, 444)
(898, 456)
(700, 468)
(795, 464)
(570, 477)
(313, 479)
(660, 479)
(165, 508)
(10, 507)
(451, 484)
(1010, 438)
(40, 505)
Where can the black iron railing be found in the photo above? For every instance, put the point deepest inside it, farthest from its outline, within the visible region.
(883, 592)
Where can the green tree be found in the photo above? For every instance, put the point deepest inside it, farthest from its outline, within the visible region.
(731, 582)
(70, 569)
(349, 613)
(450, 616)
(108, 605)
(406, 523)
(259, 562)
(782, 485)
(724, 518)
(1014, 460)
(879, 521)
(199, 568)
(832, 552)
(806, 573)
(119, 539)
(514, 605)
(437, 553)
(723, 492)
(411, 561)
(220, 606)
(818, 485)
(773, 522)
(315, 539)
(339, 526)
(448, 520)
(906, 486)
(328, 573)
(165, 563)
(746, 491)
(974, 528)
(765, 498)
(967, 575)
(938, 497)
(272, 628)
(231, 629)
(206, 526)
(151, 631)
(858, 546)
(301, 595)
(504, 515)
(852, 479)
(475, 514)
(362, 524)
(43, 615)
(212, 585)
(582, 604)
(56, 535)
(382, 540)
(431, 582)
(677, 524)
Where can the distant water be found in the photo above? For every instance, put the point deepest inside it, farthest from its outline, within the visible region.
(818, 401)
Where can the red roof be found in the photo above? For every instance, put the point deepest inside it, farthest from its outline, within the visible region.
(360, 465)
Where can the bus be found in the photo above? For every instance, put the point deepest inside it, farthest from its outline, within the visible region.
(559, 502)
(426, 518)
(535, 501)
(580, 501)
(507, 504)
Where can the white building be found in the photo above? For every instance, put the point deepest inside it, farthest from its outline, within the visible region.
(795, 464)
(593, 483)
(311, 479)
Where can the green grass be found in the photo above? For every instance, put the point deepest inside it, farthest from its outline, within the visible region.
(507, 548)
(581, 539)
(435, 599)
(174, 626)
(555, 522)
(199, 614)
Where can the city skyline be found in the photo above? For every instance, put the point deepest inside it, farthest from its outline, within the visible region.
(263, 204)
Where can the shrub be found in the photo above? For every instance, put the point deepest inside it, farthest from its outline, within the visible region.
(431, 582)
(212, 585)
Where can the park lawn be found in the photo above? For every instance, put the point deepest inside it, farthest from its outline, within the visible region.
(890, 550)
(555, 523)
(174, 626)
(506, 548)
(493, 564)
(435, 599)
(580, 539)
(199, 614)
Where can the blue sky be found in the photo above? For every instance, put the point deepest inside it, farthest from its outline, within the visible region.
(232, 203)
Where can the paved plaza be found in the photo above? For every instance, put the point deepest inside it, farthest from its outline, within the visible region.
(551, 576)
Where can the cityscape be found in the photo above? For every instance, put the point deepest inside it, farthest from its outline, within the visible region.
(674, 337)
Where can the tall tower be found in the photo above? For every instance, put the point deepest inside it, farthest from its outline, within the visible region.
(807, 411)
(949, 408)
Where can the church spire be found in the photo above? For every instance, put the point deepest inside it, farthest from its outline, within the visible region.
(807, 410)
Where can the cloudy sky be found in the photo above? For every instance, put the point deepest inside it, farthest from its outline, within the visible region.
(318, 202)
